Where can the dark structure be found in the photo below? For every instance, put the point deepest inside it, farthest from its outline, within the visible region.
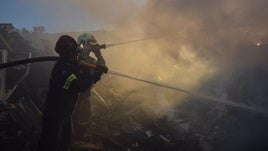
(6, 27)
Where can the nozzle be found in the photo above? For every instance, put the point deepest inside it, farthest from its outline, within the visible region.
(103, 46)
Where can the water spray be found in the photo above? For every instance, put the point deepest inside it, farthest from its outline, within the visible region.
(92, 66)
(126, 42)
(194, 94)
(104, 46)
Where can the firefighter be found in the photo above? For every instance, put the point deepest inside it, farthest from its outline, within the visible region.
(82, 113)
(90, 44)
(66, 82)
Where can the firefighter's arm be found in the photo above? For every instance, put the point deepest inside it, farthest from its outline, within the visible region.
(81, 82)
(77, 83)
(99, 70)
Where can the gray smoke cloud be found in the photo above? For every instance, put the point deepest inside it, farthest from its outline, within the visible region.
(192, 42)
(206, 36)
(211, 27)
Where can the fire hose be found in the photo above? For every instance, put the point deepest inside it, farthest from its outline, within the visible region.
(92, 66)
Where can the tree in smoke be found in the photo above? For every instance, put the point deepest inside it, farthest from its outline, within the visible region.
(38, 30)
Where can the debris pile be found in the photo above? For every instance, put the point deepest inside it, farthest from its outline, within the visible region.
(19, 125)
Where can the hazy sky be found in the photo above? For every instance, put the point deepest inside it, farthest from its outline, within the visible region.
(60, 15)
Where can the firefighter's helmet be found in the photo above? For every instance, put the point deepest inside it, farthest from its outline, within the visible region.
(64, 44)
(87, 40)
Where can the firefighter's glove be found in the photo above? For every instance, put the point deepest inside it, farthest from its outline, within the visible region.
(96, 50)
(99, 70)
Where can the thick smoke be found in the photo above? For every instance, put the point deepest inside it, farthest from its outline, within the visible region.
(194, 44)
(214, 29)
(211, 46)
(192, 40)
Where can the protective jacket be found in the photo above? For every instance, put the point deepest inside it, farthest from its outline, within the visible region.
(65, 83)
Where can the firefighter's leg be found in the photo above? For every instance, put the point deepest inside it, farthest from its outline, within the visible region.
(50, 136)
(82, 114)
(66, 132)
